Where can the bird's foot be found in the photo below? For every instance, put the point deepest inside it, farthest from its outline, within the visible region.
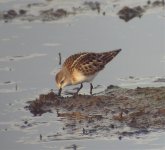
(75, 94)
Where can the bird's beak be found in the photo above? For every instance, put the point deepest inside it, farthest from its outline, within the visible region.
(59, 92)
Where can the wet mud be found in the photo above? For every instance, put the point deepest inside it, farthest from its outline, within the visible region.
(116, 111)
(128, 13)
(49, 14)
(46, 13)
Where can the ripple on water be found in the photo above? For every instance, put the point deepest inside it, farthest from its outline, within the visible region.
(21, 57)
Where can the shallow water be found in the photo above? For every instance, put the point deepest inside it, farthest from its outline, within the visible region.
(29, 61)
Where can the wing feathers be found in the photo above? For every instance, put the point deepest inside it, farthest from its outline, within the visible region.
(89, 63)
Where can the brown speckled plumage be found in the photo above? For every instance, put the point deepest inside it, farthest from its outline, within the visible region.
(83, 67)
(89, 63)
(69, 62)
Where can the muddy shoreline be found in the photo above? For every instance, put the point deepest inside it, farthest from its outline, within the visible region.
(117, 111)
(46, 13)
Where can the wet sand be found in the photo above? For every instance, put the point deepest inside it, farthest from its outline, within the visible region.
(139, 110)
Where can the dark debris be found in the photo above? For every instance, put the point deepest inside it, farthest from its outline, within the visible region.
(127, 13)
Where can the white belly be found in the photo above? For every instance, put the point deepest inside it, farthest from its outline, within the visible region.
(90, 78)
(80, 78)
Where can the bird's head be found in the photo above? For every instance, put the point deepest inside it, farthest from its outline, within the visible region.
(61, 79)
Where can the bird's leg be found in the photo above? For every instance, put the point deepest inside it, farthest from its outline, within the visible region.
(91, 88)
(59, 92)
(79, 89)
(75, 94)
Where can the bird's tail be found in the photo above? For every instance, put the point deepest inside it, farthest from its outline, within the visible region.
(108, 56)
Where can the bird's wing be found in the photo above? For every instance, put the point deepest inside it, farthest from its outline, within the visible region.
(91, 63)
(71, 60)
